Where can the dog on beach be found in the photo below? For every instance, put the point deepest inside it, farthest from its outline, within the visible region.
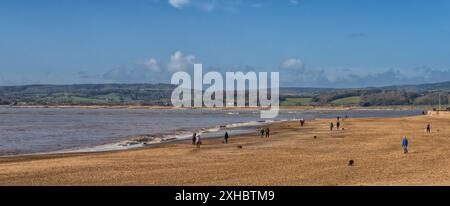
(351, 162)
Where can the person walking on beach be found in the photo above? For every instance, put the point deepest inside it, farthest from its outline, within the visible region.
(337, 118)
(331, 126)
(428, 128)
(262, 132)
(198, 141)
(267, 132)
(194, 138)
(405, 145)
(226, 137)
(302, 122)
(338, 124)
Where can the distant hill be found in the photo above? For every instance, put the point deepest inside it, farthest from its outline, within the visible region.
(113, 94)
(421, 94)
(159, 94)
(441, 86)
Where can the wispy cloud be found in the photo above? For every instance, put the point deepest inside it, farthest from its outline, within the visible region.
(179, 3)
(293, 72)
(152, 65)
(357, 35)
(86, 75)
(123, 75)
(214, 5)
(150, 70)
(293, 64)
(223, 5)
(294, 2)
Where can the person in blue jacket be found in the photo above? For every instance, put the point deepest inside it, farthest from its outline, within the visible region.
(405, 145)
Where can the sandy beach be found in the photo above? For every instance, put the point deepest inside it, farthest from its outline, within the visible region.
(291, 156)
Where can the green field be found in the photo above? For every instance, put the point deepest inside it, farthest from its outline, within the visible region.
(78, 100)
(297, 101)
(111, 97)
(355, 100)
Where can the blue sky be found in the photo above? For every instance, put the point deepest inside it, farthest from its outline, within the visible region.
(315, 43)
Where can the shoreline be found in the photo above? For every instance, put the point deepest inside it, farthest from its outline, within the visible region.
(146, 140)
(291, 156)
(150, 107)
(137, 142)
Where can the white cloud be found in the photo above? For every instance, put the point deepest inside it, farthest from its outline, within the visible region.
(213, 5)
(293, 2)
(152, 65)
(179, 3)
(293, 64)
(179, 62)
(150, 70)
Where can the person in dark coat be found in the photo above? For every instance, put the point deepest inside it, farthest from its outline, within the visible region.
(226, 137)
(194, 138)
(302, 122)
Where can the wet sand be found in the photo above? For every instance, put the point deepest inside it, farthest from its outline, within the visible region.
(291, 156)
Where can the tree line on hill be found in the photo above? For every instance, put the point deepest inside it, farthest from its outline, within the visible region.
(159, 94)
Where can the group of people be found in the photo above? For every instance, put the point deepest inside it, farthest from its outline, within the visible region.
(196, 139)
(338, 124)
(265, 132)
